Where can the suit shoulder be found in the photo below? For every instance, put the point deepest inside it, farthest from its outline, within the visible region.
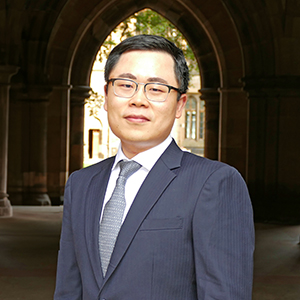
(193, 159)
(205, 165)
(199, 171)
(94, 169)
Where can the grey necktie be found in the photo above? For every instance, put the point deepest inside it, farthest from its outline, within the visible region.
(113, 213)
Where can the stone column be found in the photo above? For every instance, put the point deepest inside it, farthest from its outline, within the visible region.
(78, 96)
(6, 72)
(15, 146)
(233, 142)
(58, 142)
(212, 114)
(35, 146)
(274, 146)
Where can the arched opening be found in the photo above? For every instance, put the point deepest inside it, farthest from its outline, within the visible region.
(70, 60)
(238, 46)
(145, 21)
(79, 52)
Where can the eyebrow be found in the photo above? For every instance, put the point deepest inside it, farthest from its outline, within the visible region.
(127, 75)
(150, 79)
(157, 79)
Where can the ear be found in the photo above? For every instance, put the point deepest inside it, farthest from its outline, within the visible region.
(105, 97)
(180, 105)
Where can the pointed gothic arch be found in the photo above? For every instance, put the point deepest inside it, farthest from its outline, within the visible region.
(70, 62)
(247, 54)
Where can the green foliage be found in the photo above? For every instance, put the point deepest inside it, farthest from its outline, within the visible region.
(94, 104)
(148, 22)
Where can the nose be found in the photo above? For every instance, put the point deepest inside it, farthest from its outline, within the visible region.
(139, 98)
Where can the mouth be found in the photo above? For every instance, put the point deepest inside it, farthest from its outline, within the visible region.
(137, 118)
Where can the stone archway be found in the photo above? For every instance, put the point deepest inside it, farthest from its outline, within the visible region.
(220, 60)
(249, 63)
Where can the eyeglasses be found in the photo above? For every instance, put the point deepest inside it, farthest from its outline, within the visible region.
(127, 88)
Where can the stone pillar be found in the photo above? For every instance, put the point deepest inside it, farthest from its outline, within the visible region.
(6, 72)
(274, 147)
(212, 114)
(233, 142)
(78, 96)
(35, 146)
(58, 142)
(15, 145)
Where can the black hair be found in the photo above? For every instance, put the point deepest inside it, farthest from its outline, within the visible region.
(154, 43)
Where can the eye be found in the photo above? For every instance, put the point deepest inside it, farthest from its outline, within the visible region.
(127, 86)
(123, 84)
(157, 89)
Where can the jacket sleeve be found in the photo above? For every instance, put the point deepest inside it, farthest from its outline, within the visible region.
(223, 234)
(68, 281)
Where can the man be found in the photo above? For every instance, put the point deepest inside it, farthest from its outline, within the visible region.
(187, 225)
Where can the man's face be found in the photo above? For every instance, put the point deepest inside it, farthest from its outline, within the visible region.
(139, 123)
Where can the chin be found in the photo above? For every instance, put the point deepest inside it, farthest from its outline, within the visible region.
(137, 139)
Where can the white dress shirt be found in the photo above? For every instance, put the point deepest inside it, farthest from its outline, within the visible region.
(147, 160)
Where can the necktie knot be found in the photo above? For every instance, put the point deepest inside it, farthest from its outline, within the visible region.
(127, 168)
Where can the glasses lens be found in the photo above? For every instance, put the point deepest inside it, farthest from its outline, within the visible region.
(157, 92)
(124, 88)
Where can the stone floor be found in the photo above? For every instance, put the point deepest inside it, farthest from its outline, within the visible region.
(29, 244)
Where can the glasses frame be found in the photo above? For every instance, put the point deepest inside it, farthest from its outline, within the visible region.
(170, 87)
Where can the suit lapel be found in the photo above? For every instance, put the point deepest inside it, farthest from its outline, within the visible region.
(94, 201)
(154, 185)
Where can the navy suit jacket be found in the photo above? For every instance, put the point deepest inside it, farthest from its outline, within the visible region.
(188, 235)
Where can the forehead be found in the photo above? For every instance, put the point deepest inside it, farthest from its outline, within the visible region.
(144, 63)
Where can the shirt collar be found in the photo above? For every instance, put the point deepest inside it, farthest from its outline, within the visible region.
(146, 158)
